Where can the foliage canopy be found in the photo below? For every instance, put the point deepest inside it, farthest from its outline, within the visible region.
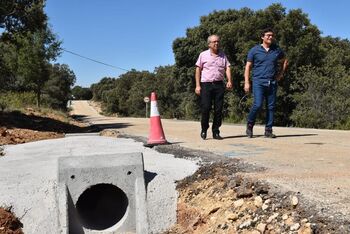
(314, 92)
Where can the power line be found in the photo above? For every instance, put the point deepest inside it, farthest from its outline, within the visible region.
(93, 60)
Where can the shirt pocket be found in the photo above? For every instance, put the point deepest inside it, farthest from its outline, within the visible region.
(220, 63)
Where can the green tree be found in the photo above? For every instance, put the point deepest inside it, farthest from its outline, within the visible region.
(314, 91)
(239, 31)
(322, 93)
(105, 84)
(7, 66)
(58, 87)
(34, 54)
(80, 93)
(22, 16)
(27, 46)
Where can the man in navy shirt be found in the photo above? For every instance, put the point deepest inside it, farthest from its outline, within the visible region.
(267, 62)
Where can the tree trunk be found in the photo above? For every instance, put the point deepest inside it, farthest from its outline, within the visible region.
(38, 98)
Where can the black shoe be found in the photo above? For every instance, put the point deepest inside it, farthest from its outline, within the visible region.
(204, 135)
(269, 134)
(249, 130)
(217, 136)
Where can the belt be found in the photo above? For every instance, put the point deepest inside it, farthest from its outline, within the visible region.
(214, 82)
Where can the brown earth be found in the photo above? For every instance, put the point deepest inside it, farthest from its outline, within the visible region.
(217, 199)
(17, 127)
(9, 224)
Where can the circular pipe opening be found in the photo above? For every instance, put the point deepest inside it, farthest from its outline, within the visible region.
(101, 206)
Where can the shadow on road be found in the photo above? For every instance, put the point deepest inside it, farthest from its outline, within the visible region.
(278, 136)
(237, 136)
(296, 135)
(100, 127)
(16, 119)
(78, 117)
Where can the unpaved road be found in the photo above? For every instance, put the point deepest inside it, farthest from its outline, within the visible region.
(315, 163)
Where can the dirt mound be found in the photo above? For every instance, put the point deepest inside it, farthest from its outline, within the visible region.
(9, 224)
(17, 127)
(217, 200)
(17, 135)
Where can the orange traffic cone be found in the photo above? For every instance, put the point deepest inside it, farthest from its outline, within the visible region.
(156, 134)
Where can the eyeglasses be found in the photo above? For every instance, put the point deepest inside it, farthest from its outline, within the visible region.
(214, 41)
(269, 35)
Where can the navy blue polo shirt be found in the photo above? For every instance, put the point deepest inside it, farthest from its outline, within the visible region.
(265, 63)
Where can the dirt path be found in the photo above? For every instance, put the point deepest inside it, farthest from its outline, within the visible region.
(313, 163)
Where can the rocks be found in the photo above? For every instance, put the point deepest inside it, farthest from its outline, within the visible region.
(245, 224)
(272, 217)
(261, 227)
(258, 202)
(295, 201)
(265, 206)
(232, 217)
(240, 206)
(289, 221)
(306, 229)
(238, 203)
(261, 188)
(295, 227)
(110, 133)
(245, 189)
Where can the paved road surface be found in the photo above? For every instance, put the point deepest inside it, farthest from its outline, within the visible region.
(314, 162)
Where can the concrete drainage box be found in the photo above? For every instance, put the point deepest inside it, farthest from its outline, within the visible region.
(102, 194)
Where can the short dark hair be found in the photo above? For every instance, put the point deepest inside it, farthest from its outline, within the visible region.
(265, 30)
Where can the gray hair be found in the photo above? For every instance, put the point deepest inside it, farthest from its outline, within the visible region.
(213, 35)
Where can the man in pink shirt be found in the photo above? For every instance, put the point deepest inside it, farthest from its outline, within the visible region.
(211, 67)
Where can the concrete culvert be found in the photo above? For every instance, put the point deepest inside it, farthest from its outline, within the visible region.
(102, 206)
(102, 194)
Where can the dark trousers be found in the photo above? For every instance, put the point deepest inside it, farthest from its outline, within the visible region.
(263, 92)
(212, 92)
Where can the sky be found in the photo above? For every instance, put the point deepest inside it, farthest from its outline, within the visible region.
(138, 34)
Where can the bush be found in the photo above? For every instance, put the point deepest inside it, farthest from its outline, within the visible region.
(17, 101)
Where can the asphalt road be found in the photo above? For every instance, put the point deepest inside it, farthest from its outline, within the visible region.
(313, 163)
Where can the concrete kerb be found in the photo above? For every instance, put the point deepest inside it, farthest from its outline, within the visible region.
(81, 134)
(102, 193)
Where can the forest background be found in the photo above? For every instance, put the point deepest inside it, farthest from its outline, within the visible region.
(315, 91)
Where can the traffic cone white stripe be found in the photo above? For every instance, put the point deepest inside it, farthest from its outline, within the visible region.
(154, 109)
(156, 134)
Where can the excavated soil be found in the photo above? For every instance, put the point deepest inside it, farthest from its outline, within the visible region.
(9, 224)
(17, 127)
(217, 199)
(221, 198)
